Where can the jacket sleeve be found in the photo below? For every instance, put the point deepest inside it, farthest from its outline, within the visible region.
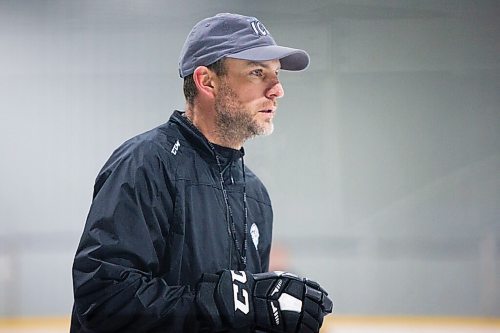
(117, 279)
(265, 259)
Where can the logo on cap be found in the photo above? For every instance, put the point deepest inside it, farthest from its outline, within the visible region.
(259, 28)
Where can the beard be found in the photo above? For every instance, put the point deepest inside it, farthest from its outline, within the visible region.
(234, 122)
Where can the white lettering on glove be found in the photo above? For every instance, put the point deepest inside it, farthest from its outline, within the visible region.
(239, 305)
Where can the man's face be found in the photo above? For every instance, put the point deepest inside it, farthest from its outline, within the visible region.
(246, 99)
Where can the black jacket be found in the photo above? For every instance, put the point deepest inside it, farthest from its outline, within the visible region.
(157, 223)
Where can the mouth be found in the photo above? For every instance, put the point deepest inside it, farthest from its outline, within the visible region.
(270, 110)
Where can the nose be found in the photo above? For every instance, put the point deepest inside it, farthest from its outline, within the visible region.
(275, 91)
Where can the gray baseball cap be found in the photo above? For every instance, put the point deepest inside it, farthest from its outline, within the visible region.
(235, 36)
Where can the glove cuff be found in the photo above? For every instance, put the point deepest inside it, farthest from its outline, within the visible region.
(205, 302)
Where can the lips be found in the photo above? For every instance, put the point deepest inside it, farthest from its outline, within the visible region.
(268, 109)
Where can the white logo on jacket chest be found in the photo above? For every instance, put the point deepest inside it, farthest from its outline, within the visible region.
(254, 232)
(175, 148)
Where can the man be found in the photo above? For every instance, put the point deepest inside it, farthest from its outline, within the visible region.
(179, 228)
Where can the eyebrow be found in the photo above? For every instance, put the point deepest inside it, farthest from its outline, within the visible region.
(260, 64)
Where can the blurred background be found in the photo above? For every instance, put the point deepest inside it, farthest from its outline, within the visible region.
(384, 168)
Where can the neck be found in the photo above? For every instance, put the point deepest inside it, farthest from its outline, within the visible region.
(205, 122)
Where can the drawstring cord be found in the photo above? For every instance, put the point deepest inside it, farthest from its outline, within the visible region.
(242, 250)
(229, 212)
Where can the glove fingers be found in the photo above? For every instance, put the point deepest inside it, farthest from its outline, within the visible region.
(314, 294)
(290, 321)
(295, 288)
(313, 314)
(319, 295)
(327, 304)
(309, 324)
(305, 329)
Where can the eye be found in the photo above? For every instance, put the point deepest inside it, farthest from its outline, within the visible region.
(257, 72)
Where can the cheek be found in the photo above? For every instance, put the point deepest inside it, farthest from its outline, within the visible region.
(251, 95)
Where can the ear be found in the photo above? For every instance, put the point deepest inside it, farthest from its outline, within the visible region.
(204, 80)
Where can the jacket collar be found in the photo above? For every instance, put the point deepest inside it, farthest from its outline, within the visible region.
(200, 142)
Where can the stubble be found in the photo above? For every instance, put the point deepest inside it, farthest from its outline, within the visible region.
(235, 124)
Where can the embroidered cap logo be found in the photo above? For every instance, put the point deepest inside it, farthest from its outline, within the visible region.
(259, 28)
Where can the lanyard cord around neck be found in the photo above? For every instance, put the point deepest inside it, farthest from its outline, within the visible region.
(229, 213)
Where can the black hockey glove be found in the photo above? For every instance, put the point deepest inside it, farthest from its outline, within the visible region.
(273, 302)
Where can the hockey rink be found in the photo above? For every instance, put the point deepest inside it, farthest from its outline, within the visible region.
(341, 324)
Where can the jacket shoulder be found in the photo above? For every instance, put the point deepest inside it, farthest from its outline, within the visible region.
(149, 153)
(156, 143)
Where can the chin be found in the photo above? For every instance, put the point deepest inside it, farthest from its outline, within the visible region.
(267, 129)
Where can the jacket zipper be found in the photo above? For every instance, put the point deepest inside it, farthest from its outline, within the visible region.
(229, 238)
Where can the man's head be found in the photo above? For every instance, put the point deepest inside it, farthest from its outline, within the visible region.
(230, 65)
(235, 36)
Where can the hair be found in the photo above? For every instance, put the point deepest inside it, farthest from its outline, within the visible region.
(190, 90)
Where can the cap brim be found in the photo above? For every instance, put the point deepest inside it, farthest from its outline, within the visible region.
(291, 59)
